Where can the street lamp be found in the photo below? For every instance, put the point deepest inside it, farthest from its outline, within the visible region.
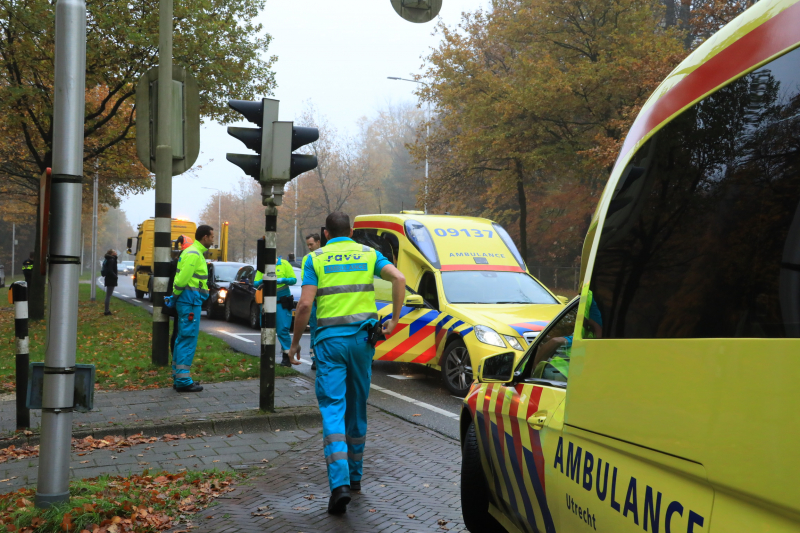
(219, 207)
(427, 134)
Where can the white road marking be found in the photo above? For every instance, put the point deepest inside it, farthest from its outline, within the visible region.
(428, 406)
(410, 376)
(137, 301)
(259, 334)
(304, 361)
(120, 295)
(235, 336)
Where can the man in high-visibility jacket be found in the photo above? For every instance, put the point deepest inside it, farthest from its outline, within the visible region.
(27, 269)
(313, 243)
(283, 310)
(189, 290)
(339, 277)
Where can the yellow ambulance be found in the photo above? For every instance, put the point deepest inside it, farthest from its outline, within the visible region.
(469, 292)
(674, 409)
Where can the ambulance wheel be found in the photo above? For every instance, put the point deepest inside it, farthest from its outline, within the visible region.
(227, 313)
(457, 368)
(139, 294)
(474, 488)
(151, 296)
(255, 323)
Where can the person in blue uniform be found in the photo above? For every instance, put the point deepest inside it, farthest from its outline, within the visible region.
(339, 278)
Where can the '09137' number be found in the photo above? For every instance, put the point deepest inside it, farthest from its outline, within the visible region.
(467, 232)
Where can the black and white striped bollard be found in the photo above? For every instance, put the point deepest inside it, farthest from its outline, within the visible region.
(18, 295)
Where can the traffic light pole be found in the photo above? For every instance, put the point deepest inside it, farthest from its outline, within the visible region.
(266, 394)
(62, 323)
(162, 238)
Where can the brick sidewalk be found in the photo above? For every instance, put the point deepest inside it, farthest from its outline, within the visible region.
(237, 451)
(408, 470)
(154, 406)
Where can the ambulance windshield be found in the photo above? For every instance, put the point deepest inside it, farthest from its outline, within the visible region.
(482, 287)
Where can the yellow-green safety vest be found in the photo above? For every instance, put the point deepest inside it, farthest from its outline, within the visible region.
(345, 290)
(192, 273)
(282, 270)
(27, 265)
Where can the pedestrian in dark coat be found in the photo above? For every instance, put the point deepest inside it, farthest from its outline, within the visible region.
(109, 272)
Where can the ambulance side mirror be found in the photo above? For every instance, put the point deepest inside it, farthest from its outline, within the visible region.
(497, 368)
(415, 301)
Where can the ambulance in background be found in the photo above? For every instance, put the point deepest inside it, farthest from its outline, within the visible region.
(468, 292)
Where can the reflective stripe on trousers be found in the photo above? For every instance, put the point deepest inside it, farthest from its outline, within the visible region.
(185, 342)
(344, 370)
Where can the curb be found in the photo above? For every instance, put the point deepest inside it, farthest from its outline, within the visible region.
(253, 421)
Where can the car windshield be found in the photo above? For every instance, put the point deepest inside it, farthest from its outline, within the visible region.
(482, 287)
(128, 264)
(225, 272)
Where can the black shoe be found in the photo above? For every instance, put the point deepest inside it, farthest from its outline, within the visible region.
(285, 360)
(194, 387)
(340, 497)
(107, 313)
(355, 485)
(313, 364)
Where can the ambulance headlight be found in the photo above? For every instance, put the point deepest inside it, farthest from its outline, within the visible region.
(513, 342)
(489, 336)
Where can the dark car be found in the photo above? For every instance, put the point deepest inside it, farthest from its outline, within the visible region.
(220, 276)
(241, 299)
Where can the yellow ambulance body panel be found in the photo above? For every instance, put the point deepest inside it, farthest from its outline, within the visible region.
(682, 415)
(470, 275)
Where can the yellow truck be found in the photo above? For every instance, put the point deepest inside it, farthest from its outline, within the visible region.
(143, 260)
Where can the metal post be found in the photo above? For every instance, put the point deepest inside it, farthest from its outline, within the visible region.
(266, 394)
(13, 249)
(19, 294)
(427, 135)
(162, 239)
(83, 246)
(93, 292)
(64, 257)
(296, 193)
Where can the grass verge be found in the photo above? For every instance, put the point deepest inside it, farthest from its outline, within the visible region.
(116, 504)
(119, 346)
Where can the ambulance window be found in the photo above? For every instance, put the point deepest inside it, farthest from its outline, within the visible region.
(548, 357)
(702, 236)
(420, 237)
(428, 290)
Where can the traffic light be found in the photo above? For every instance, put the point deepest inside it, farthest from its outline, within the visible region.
(274, 142)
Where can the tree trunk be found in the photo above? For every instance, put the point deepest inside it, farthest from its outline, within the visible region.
(523, 213)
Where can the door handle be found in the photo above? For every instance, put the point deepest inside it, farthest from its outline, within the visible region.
(537, 420)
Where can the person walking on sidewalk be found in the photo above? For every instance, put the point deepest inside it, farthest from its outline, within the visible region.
(339, 277)
(27, 269)
(189, 291)
(109, 273)
(283, 311)
(313, 243)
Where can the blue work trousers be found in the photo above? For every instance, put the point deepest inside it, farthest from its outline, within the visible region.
(185, 342)
(283, 322)
(344, 370)
(312, 325)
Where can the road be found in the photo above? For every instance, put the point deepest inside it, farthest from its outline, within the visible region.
(412, 392)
